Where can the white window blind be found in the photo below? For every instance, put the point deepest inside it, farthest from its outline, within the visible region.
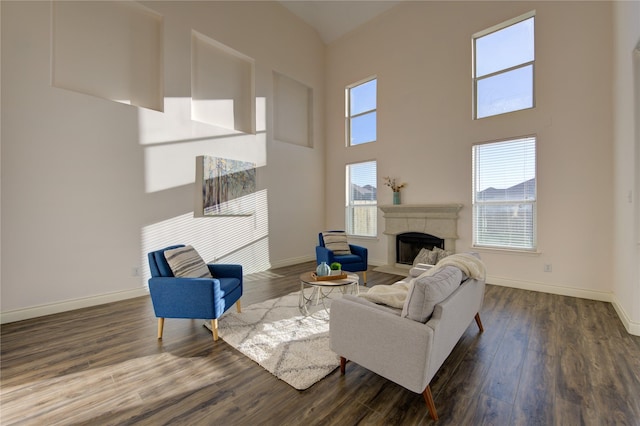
(504, 194)
(362, 199)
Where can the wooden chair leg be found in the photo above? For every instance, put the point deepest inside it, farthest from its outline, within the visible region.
(479, 322)
(364, 277)
(160, 327)
(214, 329)
(428, 398)
(238, 307)
(343, 364)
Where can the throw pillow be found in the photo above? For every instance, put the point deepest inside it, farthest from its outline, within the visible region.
(336, 242)
(186, 262)
(429, 290)
(441, 254)
(426, 256)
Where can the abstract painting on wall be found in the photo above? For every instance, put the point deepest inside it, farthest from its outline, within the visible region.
(225, 187)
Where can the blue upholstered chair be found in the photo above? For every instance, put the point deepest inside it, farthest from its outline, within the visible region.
(356, 261)
(196, 298)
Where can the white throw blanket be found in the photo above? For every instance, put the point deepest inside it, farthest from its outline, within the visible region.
(466, 262)
(392, 295)
(395, 295)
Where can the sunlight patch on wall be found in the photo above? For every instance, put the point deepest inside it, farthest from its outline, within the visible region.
(172, 141)
(232, 239)
(175, 124)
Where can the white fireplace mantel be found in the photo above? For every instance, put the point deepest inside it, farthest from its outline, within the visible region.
(440, 220)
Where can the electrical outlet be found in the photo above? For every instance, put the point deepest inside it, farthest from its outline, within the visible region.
(548, 267)
(135, 271)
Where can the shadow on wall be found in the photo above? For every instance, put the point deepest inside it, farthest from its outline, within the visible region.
(172, 141)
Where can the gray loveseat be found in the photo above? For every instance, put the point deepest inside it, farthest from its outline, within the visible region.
(408, 351)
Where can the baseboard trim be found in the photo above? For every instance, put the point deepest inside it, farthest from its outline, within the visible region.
(560, 290)
(632, 327)
(292, 261)
(69, 305)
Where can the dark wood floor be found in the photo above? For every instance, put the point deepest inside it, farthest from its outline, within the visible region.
(542, 360)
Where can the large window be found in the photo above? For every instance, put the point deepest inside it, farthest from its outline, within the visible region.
(503, 67)
(361, 113)
(504, 194)
(362, 199)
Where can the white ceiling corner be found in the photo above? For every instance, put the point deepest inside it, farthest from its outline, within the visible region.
(334, 18)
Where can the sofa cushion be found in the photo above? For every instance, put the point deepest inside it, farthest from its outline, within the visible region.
(336, 241)
(426, 256)
(186, 262)
(429, 290)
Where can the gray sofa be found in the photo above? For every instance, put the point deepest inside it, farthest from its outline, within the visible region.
(407, 351)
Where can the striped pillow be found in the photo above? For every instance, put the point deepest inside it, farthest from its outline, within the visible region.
(336, 242)
(186, 262)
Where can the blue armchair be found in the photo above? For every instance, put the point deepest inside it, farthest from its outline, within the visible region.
(354, 262)
(201, 298)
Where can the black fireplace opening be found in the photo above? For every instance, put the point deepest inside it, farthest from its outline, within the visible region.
(409, 244)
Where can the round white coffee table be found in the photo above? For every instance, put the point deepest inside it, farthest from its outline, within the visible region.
(321, 289)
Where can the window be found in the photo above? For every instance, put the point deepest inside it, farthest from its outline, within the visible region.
(503, 67)
(504, 194)
(361, 101)
(362, 199)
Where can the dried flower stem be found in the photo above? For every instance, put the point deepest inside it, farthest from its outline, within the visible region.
(391, 183)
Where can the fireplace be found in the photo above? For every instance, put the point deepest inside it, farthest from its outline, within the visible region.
(439, 220)
(409, 244)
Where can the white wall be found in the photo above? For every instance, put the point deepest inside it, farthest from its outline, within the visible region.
(626, 144)
(90, 185)
(421, 53)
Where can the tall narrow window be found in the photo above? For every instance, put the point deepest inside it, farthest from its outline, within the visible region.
(362, 199)
(503, 67)
(504, 194)
(361, 104)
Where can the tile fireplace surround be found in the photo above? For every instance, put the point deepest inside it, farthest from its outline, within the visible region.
(440, 220)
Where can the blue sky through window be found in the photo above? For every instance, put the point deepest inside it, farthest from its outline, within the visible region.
(504, 69)
(362, 113)
(363, 97)
(510, 91)
(505, 48)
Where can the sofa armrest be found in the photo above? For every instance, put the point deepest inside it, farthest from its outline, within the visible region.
(323, 254)
(419, 269)
(393, 347)
(225, 270)
(361, 252)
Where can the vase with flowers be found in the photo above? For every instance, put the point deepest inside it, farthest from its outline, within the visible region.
(395, 187)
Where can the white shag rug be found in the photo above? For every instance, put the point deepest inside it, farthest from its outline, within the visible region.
(292, 347)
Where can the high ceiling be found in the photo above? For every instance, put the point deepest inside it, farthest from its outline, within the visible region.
(334, 18)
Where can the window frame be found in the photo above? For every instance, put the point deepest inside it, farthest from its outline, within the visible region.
(523, 65)
(350, 205)
(476, 204)
(349, 117)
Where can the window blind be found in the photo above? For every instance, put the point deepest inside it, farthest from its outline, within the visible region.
(362, 198)
(504, 194)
